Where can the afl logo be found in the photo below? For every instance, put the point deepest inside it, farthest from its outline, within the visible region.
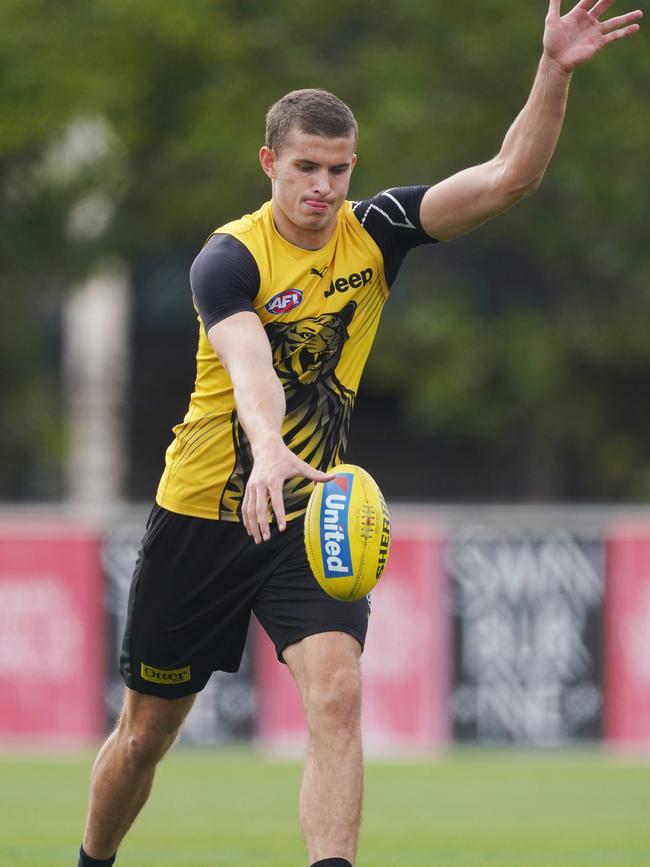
(284, 301)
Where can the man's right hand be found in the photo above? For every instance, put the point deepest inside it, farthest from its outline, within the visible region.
(575, 37)
(274, 463)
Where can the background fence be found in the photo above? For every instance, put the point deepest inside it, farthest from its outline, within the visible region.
(523, 626)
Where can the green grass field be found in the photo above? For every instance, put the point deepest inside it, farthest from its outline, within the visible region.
(236, 808)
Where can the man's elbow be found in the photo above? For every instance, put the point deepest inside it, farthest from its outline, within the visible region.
(516, 185)
(531, 187)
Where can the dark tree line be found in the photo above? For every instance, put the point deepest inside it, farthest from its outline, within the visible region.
(130, 129)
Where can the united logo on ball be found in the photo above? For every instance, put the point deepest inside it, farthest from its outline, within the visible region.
(347, 533)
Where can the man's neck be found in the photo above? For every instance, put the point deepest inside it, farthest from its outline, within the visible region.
(303, 238)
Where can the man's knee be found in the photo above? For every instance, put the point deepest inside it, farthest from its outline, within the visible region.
(144, 747)
(148, 727)
(335, 701)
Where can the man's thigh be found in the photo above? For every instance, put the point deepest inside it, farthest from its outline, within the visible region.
(318, 659)
(153, 715)
(189, 604)
(292, 606)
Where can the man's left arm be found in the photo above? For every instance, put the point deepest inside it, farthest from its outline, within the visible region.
(470, 197)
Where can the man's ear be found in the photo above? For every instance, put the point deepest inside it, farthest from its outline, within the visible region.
(268, 160)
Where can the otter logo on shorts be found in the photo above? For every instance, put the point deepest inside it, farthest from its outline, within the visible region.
(165, 675)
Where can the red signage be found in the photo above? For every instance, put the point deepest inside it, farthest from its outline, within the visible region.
(405, 663)
(51, 633)
(627, 644)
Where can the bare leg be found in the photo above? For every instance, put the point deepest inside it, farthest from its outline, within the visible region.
(327, 670)
(124, 769)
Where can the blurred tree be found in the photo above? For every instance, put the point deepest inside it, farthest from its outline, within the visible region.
(128, 128)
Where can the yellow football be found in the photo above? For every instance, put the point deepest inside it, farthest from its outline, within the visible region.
(347, 533)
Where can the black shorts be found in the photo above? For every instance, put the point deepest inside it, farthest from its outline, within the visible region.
(195, 584)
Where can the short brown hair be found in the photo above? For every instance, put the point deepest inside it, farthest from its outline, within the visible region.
(317, 112)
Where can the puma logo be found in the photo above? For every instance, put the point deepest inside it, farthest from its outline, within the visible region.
(318, 273)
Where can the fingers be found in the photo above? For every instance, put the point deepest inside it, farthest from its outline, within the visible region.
(269, 486)
(255, 510)
(277, 504)
(621, 21)
(599, 8)
(315, 475)
(619, 34)
(244, 511)
(614, 28)
(262, 515)
(554, 7)
(248, 513)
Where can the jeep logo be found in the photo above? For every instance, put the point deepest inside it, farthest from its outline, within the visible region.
(354, 281)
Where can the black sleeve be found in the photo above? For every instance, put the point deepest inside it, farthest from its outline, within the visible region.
(224, 278)
(392, 219)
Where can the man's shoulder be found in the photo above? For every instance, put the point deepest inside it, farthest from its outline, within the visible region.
(246, 224)
(392, 219)
(249, 235)
(397, 207)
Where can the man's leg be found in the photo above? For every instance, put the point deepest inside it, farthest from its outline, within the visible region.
(326, 668)
(124, 769)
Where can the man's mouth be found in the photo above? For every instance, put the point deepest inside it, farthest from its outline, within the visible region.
(317, 204)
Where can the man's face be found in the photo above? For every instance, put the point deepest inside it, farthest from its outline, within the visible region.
(310, 177)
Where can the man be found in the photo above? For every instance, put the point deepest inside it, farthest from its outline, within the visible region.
(289, 299)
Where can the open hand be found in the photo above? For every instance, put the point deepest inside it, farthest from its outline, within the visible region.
(274, 463)
(574, 38)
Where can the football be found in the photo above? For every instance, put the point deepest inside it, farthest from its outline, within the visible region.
(347, 533)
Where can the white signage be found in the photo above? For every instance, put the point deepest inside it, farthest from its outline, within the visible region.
(40, 629)
(524, 611)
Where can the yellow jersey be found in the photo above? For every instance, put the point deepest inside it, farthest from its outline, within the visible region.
(320, 310)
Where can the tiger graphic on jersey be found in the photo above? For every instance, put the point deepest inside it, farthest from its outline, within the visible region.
(317, 421)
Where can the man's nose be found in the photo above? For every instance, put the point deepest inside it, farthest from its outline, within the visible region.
(322, 182)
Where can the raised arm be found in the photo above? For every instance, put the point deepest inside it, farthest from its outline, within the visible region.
(477, 194)
(243, 348)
